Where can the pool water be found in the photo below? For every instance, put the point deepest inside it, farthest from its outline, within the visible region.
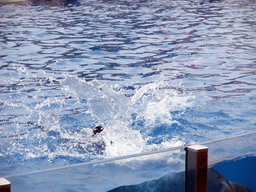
(154, 74)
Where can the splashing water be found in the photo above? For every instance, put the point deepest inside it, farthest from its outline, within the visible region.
(63, 126)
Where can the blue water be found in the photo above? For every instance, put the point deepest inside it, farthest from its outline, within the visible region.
(154, 74)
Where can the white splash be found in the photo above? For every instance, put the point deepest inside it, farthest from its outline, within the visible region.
(152, 103)
(64, 124)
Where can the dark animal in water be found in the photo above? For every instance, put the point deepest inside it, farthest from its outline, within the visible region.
(97, 147)
(97, 130)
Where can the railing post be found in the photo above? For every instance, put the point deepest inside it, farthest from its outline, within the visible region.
(196, 168)
(5, 185)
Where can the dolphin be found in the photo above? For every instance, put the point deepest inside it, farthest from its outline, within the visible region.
(175, 182)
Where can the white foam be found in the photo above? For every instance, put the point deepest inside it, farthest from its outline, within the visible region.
(152, 103)
(87, 104)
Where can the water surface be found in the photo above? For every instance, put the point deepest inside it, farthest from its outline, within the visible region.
(154, 74)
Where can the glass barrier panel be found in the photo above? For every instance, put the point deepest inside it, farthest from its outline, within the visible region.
(235, 160)
(105, 175)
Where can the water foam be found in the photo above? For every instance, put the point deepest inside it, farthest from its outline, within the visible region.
(61, 126)
(151, 104)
